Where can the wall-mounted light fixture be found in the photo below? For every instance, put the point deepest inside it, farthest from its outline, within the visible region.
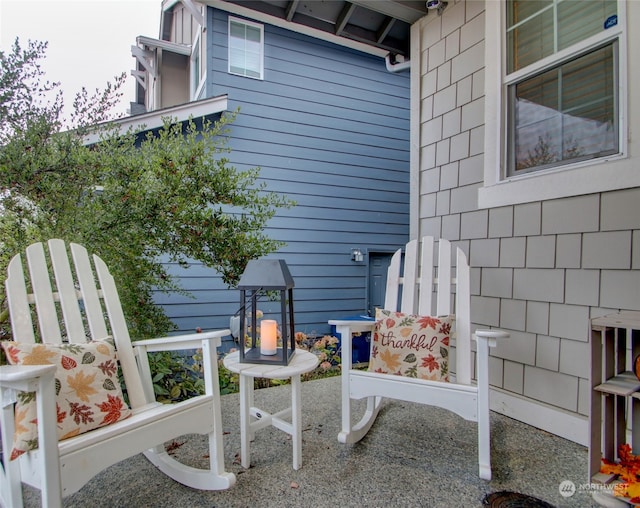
(357, 255)
(436, 5)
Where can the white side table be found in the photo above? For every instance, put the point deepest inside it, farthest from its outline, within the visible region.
(253, 418)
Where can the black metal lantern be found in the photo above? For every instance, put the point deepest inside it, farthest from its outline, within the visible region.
(259, 277)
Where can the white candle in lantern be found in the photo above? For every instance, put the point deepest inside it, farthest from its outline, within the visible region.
(268, 337)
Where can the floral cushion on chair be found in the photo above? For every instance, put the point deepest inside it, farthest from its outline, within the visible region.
(411, 345)
(88, 393)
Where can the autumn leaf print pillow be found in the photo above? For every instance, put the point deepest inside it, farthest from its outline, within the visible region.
(411, 345)
(88, 393)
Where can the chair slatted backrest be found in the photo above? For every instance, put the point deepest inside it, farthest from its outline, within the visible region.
(67, 306)
(419, 283)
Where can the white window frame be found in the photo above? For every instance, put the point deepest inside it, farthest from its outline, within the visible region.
(585, 177)
(198, 56)
(247, 23)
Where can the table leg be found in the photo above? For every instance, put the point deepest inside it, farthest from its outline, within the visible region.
(246, 387)
(251, 419)
(296, 420)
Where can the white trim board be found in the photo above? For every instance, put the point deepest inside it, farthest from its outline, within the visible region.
(554, 420)
(155, 119)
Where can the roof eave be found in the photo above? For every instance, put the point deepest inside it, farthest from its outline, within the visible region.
(295, 27)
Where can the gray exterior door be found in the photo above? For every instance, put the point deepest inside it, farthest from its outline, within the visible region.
(378, 265)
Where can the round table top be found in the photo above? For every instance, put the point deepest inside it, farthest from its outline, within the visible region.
(302, 361)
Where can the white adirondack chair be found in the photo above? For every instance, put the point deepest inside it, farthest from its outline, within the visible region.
(470, 401)
(61, 468)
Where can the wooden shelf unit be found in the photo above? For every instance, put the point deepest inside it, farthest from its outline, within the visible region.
(615, 389)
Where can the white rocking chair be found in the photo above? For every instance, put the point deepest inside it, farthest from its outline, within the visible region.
(470, 401)
(61, 468)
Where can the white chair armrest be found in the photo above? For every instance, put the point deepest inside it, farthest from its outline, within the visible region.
(207, 341)
(346, 328)
(182, 342)
(354, 325)
(490, 336)
(24, 377)
(39, 379)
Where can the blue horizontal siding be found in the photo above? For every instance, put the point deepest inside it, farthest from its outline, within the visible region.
(302, 297)
(317, 116)
(329, 128)
(368, 187)
(312, 136)
(323, 212)
(306, 151)
(311, 103)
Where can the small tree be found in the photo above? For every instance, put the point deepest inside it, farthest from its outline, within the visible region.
(543, 153)
(135, 201)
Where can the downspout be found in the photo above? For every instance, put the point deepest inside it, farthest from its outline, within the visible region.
(397, 66)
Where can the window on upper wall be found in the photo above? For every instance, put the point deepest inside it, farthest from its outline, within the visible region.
(555, 100)
(246, 48)
(197, 67)
(562, 101)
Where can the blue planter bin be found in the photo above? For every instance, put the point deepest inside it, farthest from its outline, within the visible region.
(361, 344)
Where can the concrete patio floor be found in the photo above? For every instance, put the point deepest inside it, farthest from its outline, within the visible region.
(414, 456)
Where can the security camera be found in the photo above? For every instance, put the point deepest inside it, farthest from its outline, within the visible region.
(436, 5)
